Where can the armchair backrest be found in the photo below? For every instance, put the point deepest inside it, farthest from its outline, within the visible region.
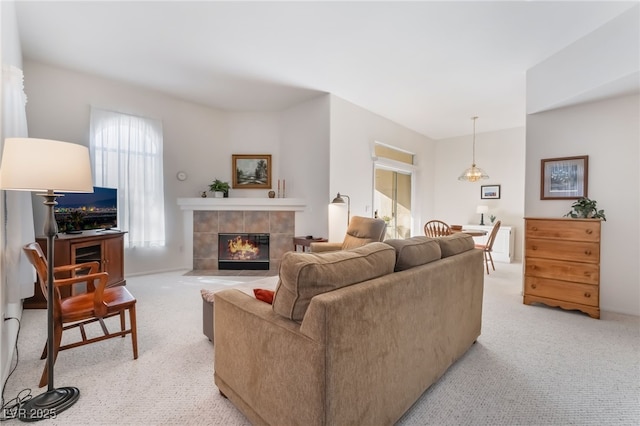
(36, 257)
(363, 230)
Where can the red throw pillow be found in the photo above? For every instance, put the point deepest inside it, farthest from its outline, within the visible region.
(264, 295)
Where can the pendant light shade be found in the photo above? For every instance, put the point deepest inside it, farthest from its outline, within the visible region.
(473, 173)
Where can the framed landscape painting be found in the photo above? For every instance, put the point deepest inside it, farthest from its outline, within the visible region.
(251, 171)
(564, 178)
(490, 192)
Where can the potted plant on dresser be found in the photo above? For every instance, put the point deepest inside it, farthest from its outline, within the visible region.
(585, 208)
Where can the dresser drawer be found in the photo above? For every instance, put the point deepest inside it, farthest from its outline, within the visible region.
(577, 251)
(568, 229)
(586, 273)
(583, 294)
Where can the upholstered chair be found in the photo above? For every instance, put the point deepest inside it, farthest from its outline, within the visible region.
(361, 231)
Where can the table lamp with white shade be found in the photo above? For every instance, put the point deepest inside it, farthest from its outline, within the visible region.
(46, 166)
(482, 210)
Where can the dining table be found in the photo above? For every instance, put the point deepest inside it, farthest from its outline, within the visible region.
(472, 232)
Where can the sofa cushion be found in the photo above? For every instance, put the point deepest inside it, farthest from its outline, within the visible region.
(414, 251)
(455, 244)
(305, 275)
(264, 295)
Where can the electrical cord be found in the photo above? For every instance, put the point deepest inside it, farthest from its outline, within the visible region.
(10, 409)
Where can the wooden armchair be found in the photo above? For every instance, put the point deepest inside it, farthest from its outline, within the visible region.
(436, 228)
(95, 303)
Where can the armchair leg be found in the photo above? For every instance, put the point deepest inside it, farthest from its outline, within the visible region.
(122, 322)
(134, 330)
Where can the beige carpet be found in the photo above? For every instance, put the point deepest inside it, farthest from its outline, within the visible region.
(532, 365)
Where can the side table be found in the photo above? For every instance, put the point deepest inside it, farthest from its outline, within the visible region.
(305, 242)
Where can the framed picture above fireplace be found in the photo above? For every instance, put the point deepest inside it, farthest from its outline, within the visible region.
(251, 171)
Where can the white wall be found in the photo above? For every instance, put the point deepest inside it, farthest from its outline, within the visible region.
(606, 60)
(608, 132)
(501, 154)
(197, 140)
(353, 131)
(304, 161)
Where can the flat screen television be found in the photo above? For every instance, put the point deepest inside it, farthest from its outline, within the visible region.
(77, 212)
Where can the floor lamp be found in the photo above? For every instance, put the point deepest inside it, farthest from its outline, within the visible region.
(46, 166)
(340, 200)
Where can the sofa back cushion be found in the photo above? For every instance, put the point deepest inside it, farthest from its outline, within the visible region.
(305, 275)
(455, 244)
(414, 251)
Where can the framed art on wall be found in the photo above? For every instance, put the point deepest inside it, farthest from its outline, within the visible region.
(251, 171)
(490, 192)
(564, 178)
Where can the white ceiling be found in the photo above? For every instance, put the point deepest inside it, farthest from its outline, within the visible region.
(429, 66)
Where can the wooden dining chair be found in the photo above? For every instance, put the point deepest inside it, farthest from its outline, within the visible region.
(436, 228)
(487, 248)
(94, 304)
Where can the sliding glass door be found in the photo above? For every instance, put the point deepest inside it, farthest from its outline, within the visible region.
(392, 193)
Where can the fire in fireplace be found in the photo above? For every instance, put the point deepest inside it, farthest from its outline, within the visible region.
(243, 251)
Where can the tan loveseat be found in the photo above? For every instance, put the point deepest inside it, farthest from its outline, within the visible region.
(348, 340)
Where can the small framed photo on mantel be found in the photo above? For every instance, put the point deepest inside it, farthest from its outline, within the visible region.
(490, 192)
(251, 171)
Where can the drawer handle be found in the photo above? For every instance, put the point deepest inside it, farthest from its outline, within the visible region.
(587, 294)
(587, 274)
(589, 231)
(535, 228)
(533, 286)
(534, 247)
(587, 252)
(534, 267)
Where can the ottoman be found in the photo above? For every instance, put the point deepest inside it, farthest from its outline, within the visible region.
(207, 313)
(268, 283)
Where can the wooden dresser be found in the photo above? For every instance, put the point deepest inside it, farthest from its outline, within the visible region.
(104, 247)
(562, 263)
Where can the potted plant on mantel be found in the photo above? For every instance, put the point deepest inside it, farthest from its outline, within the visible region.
(585, 208)
(219, 188)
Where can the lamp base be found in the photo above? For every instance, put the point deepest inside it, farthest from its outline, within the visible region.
(481, 219)
(48, 405)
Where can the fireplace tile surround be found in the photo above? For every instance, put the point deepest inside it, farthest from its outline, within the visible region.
(208, 224)
(205, 218)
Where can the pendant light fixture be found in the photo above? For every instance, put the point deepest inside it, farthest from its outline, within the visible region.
(473, 173)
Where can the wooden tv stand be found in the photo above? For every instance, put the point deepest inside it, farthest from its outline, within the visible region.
(105, 247)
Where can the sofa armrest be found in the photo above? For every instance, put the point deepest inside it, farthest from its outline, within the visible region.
(255, 352)
(322, 247)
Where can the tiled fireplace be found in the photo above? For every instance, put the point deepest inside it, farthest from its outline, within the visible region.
(208, 225)
(206, 219)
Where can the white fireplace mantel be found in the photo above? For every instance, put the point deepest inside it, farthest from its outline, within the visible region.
(262, 204)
